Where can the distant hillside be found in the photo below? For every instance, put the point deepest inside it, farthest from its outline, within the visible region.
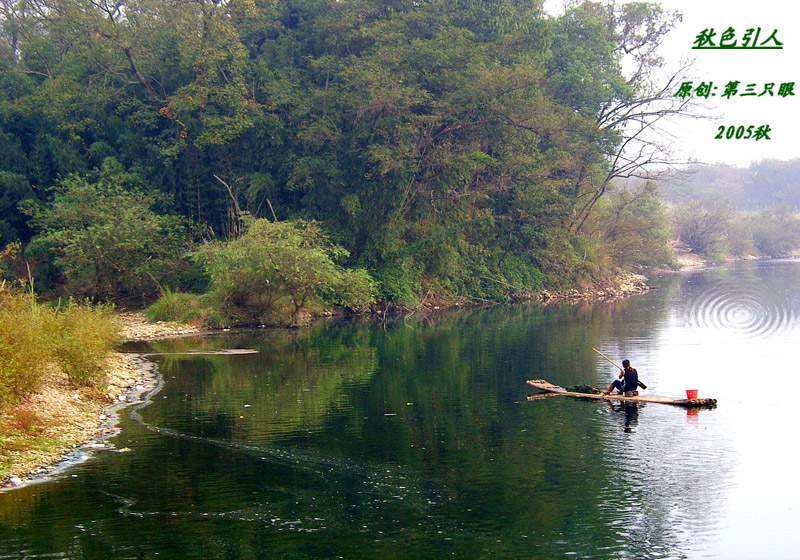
(766, 184)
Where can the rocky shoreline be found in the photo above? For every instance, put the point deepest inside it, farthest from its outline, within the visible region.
(686, 259)
(135, 326)
(86, 429)
(79, 422)
(617, 287)
(621, 285)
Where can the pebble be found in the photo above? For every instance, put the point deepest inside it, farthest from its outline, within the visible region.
(137, 327)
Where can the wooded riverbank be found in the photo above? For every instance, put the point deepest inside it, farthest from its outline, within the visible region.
(81, 420)
(61, 424)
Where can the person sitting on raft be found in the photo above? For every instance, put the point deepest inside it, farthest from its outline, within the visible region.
(628, 382)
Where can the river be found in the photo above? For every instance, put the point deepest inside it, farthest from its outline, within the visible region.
(415, 439)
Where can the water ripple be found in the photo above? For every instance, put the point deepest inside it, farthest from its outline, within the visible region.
(746, 310)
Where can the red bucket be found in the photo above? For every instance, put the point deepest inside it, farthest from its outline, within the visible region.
(691, 393)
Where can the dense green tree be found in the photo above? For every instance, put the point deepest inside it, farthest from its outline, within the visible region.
(14, 189)
(450, 146)
(107, 238)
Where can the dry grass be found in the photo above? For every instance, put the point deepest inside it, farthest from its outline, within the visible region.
(75, 337)
(45, 424)
(86, 334)
(26, 420)
(26, 335)
(53, 361)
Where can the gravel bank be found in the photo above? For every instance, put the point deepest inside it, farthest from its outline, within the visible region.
(62, 425)
(620, 286)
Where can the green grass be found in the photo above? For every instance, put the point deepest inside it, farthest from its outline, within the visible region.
(178, 306)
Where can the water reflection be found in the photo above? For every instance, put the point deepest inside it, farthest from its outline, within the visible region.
(417, 441)
(629, 412)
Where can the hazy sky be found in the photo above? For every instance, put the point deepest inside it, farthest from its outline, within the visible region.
(695, 139)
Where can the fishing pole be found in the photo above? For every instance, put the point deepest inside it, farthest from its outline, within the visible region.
(610, 361)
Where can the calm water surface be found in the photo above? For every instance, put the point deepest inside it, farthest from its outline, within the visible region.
(416, 440)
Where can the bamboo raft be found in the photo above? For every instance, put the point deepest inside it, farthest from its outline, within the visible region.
(554, 390)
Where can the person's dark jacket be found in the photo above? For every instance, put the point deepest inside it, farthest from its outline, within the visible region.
(631, 379)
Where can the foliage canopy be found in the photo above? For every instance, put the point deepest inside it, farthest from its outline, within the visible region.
(447, 144)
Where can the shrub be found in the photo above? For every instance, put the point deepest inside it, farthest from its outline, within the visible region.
(704, 229)
(24, 353)
(739, 237)
(276, 271)
(401, 285)
(355, 289)
(776, 233)
(632, 227)
(719, 231)
(35, 337)
(26, 420)
(522, 277)
(177, 306)
(85, 336)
